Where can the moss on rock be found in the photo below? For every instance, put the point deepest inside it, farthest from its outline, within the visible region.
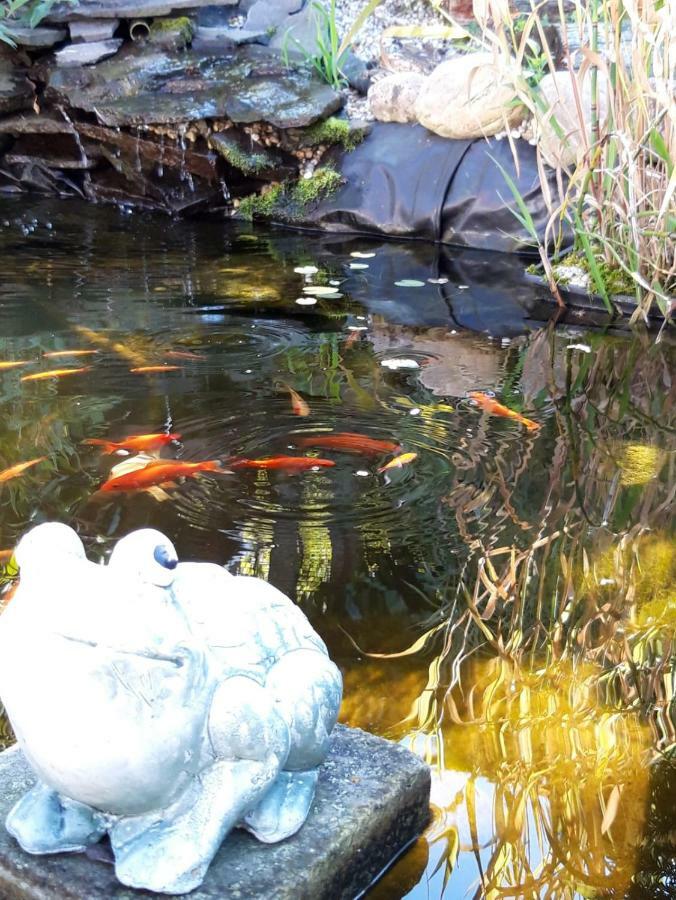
(289, 200)
(333, 131)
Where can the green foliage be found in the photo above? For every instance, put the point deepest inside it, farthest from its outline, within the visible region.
(323, 182)
(23, 12)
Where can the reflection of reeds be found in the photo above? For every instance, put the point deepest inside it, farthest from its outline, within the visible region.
(592, 577)
(570, 595)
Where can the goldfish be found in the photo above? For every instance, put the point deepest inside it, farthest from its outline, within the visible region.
(348, 442)
(159, 472)
(491, 405)
(147, 370)
(101, 340)
(183, 354)
(292, 463)
(352, 339)
(298, 405)
(56, 354)
(19, 468)
(399, 461)
(134, 442)
(54, 373)
(13, 365)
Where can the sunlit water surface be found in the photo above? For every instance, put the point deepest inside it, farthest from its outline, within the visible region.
(541, 785)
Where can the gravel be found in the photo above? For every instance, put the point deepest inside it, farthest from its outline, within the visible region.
(394, 54)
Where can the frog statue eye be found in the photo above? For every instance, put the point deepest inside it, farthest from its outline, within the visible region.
(147, 555)
(165, 555)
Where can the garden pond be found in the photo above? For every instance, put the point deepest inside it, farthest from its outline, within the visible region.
(501, 600)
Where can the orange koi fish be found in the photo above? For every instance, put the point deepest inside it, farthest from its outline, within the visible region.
(13, 365)
(137, 442)
(352, 339)
(57, 354)
(491, 405)
(160, 472)
(54, 373)
(290, 463)
(398, 462)
(348, 443)
(148, 370)
(183, 354)
(19, 469)
(298, 405)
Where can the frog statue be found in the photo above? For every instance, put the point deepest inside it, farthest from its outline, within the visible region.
(161, 703)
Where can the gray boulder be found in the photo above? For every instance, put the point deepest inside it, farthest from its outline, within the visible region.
(393, 98)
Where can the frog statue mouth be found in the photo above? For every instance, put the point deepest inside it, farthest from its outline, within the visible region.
(140, 652)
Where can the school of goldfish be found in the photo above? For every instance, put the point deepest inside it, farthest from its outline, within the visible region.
(151, 473)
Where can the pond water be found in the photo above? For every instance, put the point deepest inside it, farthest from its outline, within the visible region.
(502, 603)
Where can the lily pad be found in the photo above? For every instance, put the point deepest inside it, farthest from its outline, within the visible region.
(409, 282)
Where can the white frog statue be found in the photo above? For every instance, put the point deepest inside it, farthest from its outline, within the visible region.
(162, 703)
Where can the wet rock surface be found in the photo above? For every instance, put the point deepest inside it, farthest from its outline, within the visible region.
(372, 800)
(16, 91)
(148, 86)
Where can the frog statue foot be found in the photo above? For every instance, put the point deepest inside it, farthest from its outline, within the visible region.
(178, 703)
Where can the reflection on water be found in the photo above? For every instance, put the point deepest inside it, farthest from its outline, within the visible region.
(503, 604)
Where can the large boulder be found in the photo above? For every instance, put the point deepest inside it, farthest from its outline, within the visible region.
(468, 97)
(392, 99)
(560, 135)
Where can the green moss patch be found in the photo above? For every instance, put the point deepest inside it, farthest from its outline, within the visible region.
(289, 200)
(616, 280)
(333, 131)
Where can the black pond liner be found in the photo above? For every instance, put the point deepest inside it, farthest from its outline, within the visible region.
(405, 182)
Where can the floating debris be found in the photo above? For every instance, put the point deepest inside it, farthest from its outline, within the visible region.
(437, 280)
(400, 363)
(359, 265)
(306, 301)
(359, 254)
(306, 270)
(409, 282)
(584, 348)
(320, 290)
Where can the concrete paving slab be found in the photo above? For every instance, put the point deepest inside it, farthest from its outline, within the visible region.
(372, 800)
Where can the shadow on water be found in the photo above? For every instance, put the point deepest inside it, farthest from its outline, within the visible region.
(503, 604)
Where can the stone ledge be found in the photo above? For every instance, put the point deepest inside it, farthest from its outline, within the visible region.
(372, 800)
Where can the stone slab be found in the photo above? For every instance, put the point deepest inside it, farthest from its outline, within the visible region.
(16, 91)
(93, 29)
(86, 54)
(372, 800)
(36, 38)
(144, 86)
(126, 9)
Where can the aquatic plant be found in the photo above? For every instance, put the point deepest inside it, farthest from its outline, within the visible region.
(615, 154)
(331, 52)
